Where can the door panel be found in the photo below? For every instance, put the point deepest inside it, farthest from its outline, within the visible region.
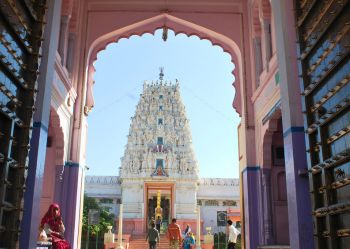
(323, 29)
(21, 27)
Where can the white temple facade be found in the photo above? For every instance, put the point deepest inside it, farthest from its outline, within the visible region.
(213, 195)
(159, 174)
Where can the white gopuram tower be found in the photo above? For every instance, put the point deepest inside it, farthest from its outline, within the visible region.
(159, 164)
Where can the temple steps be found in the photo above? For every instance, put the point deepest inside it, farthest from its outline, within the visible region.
(139, 242)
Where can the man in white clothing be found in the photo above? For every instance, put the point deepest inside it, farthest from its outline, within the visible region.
(232, 235)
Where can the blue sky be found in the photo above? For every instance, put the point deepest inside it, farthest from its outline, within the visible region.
(204, 73)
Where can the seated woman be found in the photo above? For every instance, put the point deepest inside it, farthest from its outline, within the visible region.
(53, 226)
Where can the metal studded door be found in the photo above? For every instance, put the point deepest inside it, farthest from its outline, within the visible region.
(323, 28)
(21, 27)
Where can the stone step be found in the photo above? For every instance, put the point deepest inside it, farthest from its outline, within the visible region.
(140, 242)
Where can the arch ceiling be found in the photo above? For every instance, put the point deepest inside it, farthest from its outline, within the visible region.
(222, 29)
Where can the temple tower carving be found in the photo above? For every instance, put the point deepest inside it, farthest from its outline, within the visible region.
(159, 153)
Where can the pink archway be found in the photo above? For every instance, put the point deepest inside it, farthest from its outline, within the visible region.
(178, 25)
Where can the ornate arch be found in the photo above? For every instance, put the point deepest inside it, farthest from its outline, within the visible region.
(178, 25)
(270, 127)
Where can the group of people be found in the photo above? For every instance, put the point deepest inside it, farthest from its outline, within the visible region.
(52, 229)
(174, 234)
(186, 239)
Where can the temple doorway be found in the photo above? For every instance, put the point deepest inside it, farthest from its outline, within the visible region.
(275, 219)
(160, 203)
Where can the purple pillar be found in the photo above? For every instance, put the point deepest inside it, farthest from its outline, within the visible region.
(70, 198)
(298, 196)
(252, 206)
(58, 184)
(30, 220)
(299, 203)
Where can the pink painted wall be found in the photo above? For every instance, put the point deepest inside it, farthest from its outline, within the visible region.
(54, 157)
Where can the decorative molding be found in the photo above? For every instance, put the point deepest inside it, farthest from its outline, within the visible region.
(293, 129)
(251, 168)
(41, 126)
(71, 164)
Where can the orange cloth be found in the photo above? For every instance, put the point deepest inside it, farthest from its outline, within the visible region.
(174, 232)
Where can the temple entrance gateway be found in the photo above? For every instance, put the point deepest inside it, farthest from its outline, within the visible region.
(159, 204)
(87, 26)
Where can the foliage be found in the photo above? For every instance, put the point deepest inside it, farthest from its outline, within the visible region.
(106, 219)
(106, 200)
(220, 241)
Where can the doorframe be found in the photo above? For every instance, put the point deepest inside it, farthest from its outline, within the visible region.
(159, 186)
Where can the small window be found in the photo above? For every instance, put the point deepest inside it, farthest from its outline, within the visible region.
(161, 96)
(160, 121)
(160, 108)
(159, 140)
(278, 155)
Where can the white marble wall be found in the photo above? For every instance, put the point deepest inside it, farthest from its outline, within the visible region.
(133, 199)
(185, 200)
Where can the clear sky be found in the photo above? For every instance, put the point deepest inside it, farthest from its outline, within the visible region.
(205, 75)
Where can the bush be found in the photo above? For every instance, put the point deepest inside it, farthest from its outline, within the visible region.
(220, 241)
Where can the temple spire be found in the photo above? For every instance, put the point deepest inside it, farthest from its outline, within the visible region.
(161, 74)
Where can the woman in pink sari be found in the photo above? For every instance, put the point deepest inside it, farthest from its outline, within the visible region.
(53, 226)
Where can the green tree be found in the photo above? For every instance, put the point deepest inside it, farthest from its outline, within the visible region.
(106, 219)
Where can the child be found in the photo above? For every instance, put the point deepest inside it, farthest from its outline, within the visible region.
(189, 240)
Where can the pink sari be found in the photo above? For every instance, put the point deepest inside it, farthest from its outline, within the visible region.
(54, 223)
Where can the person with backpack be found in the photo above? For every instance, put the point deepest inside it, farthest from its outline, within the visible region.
(153, 237)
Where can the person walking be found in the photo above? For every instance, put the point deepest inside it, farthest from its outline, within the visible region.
(174, 234)
(150, 223)
(232, 235)
(158, 223)
(153, 237)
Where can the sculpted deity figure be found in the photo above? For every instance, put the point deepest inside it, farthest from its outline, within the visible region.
(133, 167)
